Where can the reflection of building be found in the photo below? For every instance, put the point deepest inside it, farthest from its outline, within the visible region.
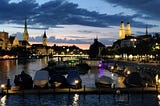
(124, 32)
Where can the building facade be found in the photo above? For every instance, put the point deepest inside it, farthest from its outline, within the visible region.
(4, 40)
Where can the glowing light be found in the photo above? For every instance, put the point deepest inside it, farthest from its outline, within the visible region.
(100, 64)
(159, 81)
(130, 56)
(112, 67)
(113, 85)
(112, 74)
(158, 98)
(146, 84)
(156, 78)
(76, 81)
(118, 91)
(2, 86)
(128, 72)
(101, 72)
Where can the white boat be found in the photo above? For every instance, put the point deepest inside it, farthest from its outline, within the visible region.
(74, 80)
(41, 79)
(104, 81)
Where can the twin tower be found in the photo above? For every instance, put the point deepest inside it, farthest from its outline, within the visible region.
(124, 32)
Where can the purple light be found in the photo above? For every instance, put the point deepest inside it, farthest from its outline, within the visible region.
(101, 72)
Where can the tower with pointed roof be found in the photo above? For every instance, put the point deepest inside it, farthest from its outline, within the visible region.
(122, 31)
(146, 30)
(128, 29)
(44, 39)
(25, 33)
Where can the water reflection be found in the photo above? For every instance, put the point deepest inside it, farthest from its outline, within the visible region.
(158, 99)
(75, 100)
(3, 101)
(10, 68)
(5, 67)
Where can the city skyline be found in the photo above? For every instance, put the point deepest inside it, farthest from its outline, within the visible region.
(78, 21)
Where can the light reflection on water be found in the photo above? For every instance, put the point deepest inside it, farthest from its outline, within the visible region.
(10, 68)
(80, 100)
(3, 101)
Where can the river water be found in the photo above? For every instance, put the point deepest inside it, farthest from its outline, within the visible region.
(10, 68)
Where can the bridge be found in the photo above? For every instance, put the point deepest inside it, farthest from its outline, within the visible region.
(71, 55)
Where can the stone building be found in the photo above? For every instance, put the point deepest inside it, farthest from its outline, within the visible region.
(4, 40)
(124, 32)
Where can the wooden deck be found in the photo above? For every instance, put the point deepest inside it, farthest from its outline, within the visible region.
(84, 91)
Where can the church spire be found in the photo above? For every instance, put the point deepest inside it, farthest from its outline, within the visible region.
(44, 39)
(25, 34)
(128, 29)
(122, 31)
(146, 30)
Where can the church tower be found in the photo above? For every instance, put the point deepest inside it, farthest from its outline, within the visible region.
(122, 31)
(25, 34)
(128, 29)
(146, 30)
(44, 39)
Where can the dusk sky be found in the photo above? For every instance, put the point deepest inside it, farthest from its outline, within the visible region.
(78, 21)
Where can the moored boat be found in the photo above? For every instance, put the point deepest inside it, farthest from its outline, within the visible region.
(74, 80)
(134, 80)
(104, 81)
(57, 81)
(41, 79)
(23, 80)
(83, 68)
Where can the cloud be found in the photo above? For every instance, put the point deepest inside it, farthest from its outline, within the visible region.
(87, 31)
(75, 37)
(61, 12)
(16, 12)
(147, 7)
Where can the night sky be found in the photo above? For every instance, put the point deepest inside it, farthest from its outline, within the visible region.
(78, 21)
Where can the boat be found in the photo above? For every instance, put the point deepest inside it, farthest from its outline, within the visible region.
(74, 80)
(56, 67)
(23, 80)
(134, 80)
(57, 81)
(41, 79)
(83, 68)
(104, 82)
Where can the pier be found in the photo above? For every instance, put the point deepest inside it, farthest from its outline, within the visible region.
(83, 91)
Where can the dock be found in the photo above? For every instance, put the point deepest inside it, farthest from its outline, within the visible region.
(84, 91)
